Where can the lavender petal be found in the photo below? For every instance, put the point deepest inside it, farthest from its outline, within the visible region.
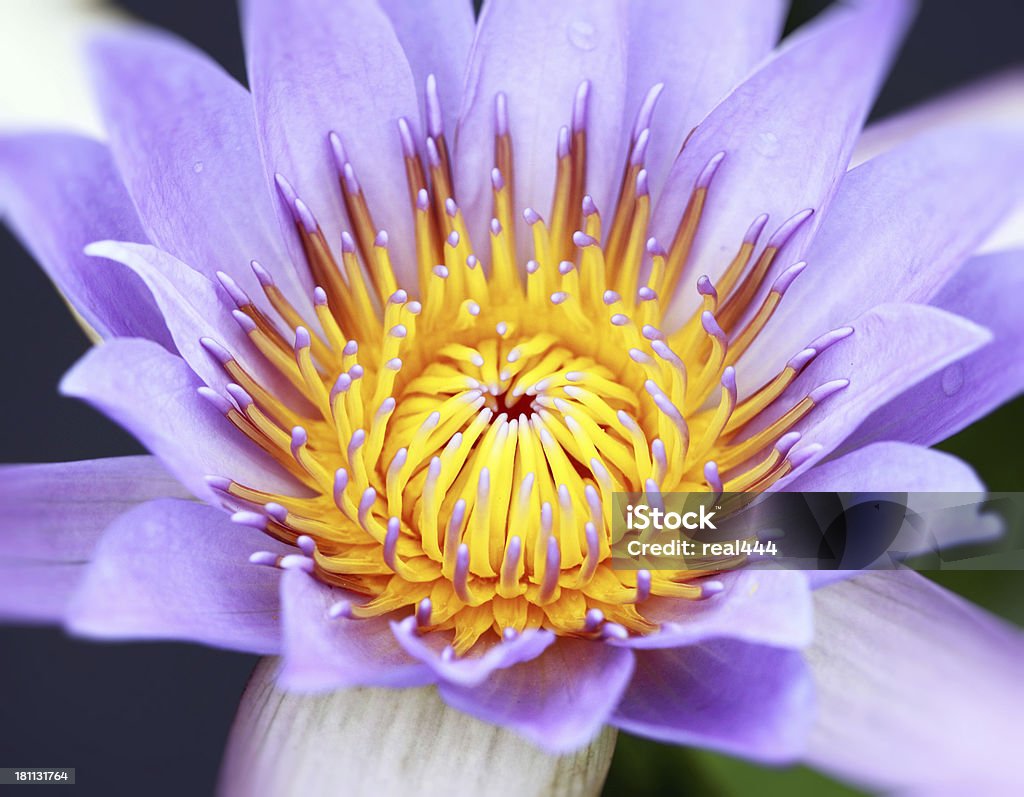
(172, 569)
(875, 247)
(306, 84)
(760, 607)
(436, 36)
(182, 133)
(60, 192)
(153, 394)
(539, 54)
(747, 700)
(475, 667)
(783, 155)
(559, 700)
(958, 395)
(699, 51)
(902, 668)
(892, 346)
(51, 518)
(321, 652)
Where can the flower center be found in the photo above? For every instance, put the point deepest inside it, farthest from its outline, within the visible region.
(461, 449)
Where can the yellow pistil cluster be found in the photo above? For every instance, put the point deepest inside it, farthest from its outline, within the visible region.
(461, 439)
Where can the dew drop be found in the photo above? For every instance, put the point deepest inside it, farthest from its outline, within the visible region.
(767, 144)
(953, 379)
(582, 35)
(197, 167)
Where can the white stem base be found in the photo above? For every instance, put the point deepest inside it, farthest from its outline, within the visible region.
(384, 742)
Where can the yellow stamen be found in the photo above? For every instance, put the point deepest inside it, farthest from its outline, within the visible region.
(467, 449)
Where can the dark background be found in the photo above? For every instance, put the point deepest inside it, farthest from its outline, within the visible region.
(158, 714)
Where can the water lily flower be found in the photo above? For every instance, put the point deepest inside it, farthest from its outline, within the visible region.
(397, 322)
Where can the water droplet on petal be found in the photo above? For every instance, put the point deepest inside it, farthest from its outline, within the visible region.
(582, 35)
(197, 167)
(767, 144)
(953, 379)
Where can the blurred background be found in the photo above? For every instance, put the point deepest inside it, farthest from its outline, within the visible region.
(158, 714)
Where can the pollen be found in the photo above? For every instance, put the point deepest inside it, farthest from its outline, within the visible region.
(460, 439)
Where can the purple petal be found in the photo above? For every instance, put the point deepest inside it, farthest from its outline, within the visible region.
(916, 687)
(475, 667)
(874, 246)
(323, 653)
(194, 308)
(322, 66)
(994, 101)
(787, 132)
(436, 36)
(747, 700)
(700, 51)
(891, 467)
(942, 489)
(153, 394)
(60, 192)
(173, 569)
(538, 54)
(760, 607)
(559, 700)
(948, 401)
(816, 579)
(892, 346)
(51, 516)
(183, 135)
